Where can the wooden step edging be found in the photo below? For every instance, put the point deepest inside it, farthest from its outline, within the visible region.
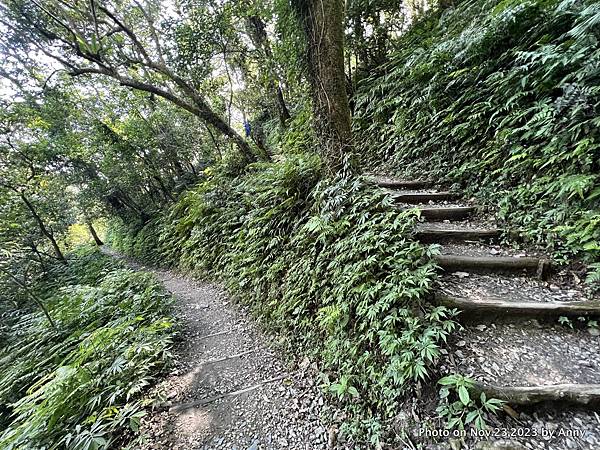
(505, 307)
(452, 263)
(578, 394)
(423, 197)
(446, 213)
(429, 235)
(401, 184)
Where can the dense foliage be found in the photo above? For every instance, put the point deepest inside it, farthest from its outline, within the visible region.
(502, 97)
(78, 383)
(328, 263)
(154, 114)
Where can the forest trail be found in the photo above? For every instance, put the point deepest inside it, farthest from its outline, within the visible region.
(230, 389)
(511, 344)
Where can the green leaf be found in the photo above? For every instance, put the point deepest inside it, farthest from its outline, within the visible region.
(471, 416)
(463, 394)
(448, 381)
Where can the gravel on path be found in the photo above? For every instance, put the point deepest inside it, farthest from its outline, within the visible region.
(230, 388)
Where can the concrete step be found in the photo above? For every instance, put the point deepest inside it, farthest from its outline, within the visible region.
(391, 183)
(570, 393)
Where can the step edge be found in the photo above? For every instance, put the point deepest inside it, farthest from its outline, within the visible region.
(381, 181)
(527, 261)
(494, 304)
(451, 231)
(423, 194)
(580, 394)
(446, 208)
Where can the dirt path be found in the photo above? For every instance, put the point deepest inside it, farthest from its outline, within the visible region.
(230, 389)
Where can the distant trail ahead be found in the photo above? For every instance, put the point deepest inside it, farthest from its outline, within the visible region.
(230, 389)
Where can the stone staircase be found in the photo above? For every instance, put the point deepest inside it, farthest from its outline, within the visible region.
(511, 344)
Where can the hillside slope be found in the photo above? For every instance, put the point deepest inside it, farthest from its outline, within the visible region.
(502, 98)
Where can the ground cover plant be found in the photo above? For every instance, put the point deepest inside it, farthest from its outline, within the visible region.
(327, 263)
(79, 381)
(229, 140)
(501, 97)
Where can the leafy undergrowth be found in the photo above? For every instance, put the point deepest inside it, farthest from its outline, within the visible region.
(503, 98)
(79, 384)
(328, 263)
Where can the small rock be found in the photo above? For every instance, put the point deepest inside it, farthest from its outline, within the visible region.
(498, 445)
(305, 363)
(455, 444)
(171, 395)
(571, 443)
(332, 437)
(594, 331)
(438, 447)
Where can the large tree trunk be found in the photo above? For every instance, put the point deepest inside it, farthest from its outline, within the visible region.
(324, 28)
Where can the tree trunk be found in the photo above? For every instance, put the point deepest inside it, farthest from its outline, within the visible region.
(45, 231)
(34, 296)
(362, 55)
(284, 113)
(324, 27)
(97, 240)
(258, 35)
(38, 254)
(168, 196)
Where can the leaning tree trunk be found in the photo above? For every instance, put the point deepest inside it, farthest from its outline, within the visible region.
(92, 230)
(324, 28)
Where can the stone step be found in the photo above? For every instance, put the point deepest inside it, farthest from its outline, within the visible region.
(428, 234)
(423, 197)
(446, 213)
(497, 307)
(502, 264)
(527, 362)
